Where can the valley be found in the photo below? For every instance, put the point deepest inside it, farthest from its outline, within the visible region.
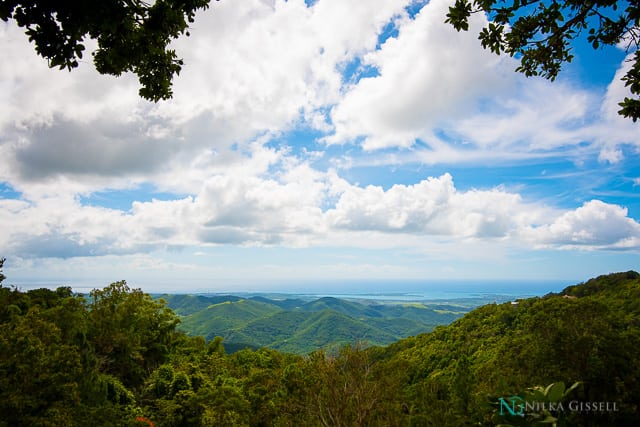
(301, 324)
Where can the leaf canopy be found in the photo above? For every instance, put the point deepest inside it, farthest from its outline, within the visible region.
(132, 35)
(539, 33)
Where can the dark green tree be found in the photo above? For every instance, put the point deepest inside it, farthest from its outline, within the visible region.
(2, 276)
(131, 333)
(39, 373)
(341, 390)
(132, 35)
(539, 33)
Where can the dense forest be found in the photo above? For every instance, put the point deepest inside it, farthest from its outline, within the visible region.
(301, 325)
(116, 357)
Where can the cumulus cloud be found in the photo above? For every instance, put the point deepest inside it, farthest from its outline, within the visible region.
(57, 227)
(626, 132)
(241, 208)
(33, 93)
(62, 246)
(96, 148)
(437, 88)
(255, 70)
(428, 73)
(270, 64)
(289, 211)
(251, 69)
(431, 207)
(260, 68)
(593, 225)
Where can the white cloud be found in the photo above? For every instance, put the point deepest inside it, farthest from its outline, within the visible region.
(616, 92)
(541, 116)
(432, 207)
(251, 69)
(258, 68)
(610, 153)
(267, 63)
(428, 73)
(593, 225)
(288, 211)
(548, 118)
(237, 206)
(614, 130)
(439, 88)
(32, 92)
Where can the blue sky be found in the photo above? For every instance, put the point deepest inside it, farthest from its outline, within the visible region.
(333, 141)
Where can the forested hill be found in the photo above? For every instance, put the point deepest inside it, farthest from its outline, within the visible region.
(116, 358)
(301, 326)
(589, 333)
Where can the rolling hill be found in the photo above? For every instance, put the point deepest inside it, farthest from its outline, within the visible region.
(222, 317)
(300, 326)
(69, 361)
(588, 335)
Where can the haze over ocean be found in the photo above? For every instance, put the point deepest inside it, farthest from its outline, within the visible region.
(388, 290)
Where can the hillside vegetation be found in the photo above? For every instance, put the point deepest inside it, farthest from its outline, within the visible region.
(298, 326)
(117, 358)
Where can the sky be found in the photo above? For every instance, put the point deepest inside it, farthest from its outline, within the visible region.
(332, 141)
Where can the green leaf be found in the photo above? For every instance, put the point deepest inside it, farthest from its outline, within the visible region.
(570, 389)
(555, 391)
(549, 420)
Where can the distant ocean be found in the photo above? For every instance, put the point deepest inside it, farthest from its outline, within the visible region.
(405, 290)
(392, 290)
(389, 290)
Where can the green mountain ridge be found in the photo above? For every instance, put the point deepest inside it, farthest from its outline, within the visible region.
(185, 304)
(221, 317)
(351, 309)
(299, 326)
(330, 329)
(589, 333)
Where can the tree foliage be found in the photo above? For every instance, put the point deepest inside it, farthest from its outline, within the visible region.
(132, 35)
(2, 276)
(539, 33)
(300, 326)
(131, 332)
(115, 357)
